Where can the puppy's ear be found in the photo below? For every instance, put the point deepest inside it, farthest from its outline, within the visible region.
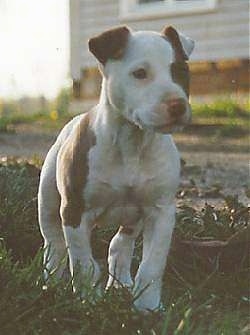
(110, 44)
(182, 45)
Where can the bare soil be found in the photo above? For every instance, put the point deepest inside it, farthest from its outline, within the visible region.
(25, 144)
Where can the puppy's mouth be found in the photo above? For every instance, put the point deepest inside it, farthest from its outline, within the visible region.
(177, 114)
(169, 120)
(168, 117)
(169, 128)
(166, 128)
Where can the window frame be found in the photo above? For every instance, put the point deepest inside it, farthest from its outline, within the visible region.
(132, 10)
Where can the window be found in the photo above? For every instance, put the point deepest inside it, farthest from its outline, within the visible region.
(147, 1)
(151, 9)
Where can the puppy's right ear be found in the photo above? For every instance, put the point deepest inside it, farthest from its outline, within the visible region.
(110, 44)
(182, 45)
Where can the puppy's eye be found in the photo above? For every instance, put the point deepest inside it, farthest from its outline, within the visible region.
(140, 74)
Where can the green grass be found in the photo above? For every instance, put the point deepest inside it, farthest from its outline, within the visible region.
(7, 122)
(221, 109)
(44, 121)
(222, 118)
(210, 304)
(198, 299)
(29, 307)
(39, 110)
(229, 116)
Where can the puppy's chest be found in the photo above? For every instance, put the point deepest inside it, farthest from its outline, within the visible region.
(112, 168)
(124, 177)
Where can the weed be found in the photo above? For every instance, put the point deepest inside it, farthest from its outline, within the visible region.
(197, 299)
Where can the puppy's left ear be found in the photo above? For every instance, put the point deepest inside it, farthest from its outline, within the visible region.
(182, 45)
(110, 44)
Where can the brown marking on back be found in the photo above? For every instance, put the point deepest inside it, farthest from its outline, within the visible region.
(126, 230)
(171, 34)
(110, 44)
(73, 171)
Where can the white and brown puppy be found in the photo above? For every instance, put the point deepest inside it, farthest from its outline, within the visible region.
(118, 162)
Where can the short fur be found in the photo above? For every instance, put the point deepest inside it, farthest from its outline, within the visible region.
(119, 164)
(110, 44)
(73, 171)
(171, 34)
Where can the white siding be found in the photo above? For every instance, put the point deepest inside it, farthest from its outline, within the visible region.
(221, 34)
(76, 33)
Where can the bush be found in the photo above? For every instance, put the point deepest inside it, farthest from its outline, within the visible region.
(62, 101)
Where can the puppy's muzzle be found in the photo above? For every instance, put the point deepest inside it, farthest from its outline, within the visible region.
(173, 113)
(176, 108)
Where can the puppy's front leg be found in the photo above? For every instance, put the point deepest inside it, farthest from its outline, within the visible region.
(156, 241)
(120, 256)
(83, 268)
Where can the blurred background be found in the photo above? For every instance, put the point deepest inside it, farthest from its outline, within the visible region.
(34, 39)
(44, 46)
(47, 73)
(47, 76)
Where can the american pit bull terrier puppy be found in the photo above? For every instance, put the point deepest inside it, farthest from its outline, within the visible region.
(118, 163)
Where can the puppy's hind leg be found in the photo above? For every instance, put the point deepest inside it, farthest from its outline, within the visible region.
(50, 222)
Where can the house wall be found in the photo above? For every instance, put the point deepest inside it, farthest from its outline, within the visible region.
(221, 34)
(218, 64)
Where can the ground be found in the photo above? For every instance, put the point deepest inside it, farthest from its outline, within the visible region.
(218, 159)
(205, 288)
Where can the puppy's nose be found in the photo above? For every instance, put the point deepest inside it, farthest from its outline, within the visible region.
(176, 107)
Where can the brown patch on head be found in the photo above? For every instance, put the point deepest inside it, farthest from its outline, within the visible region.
(180, 75)
(110, 44)
(73, 171)
(179, 68)
(171, 34)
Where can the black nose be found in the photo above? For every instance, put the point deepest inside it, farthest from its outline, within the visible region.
(176, 107)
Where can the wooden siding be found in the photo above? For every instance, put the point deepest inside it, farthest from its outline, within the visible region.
(221, 34)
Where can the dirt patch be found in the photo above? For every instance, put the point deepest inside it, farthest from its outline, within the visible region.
(209, 176)
(25, 144)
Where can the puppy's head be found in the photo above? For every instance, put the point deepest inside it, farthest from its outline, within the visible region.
(146, 75)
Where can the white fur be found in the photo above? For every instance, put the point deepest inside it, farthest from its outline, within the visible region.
(143, 98)
(119, 163)
(187, 43)
(83, 267)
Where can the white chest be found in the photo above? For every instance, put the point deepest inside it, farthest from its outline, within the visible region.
(120, 177)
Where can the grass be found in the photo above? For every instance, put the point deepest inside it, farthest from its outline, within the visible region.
(221, 109)
(28, 110)
(46, 121)
(198, 299)
(8, 122)
(36, 309)
(221, 118)
(227, 114)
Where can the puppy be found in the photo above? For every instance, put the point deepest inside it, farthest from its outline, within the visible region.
(118, 163)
